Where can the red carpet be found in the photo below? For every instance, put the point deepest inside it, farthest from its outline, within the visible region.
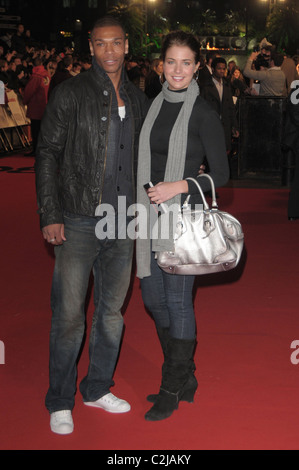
(248, 386)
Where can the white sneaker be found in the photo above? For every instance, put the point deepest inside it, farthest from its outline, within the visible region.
(110, 403)
(61, 422)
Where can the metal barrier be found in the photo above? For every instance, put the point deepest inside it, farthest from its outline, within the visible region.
(261, 121)
(13, 124)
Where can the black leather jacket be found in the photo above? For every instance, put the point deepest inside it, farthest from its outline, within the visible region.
(72, 148)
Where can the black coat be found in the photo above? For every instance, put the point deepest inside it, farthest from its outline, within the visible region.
(71, 153)
(225, 108)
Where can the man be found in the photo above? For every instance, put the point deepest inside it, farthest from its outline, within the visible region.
(272, 80)
(36, 98)
(51, 67)
(205, 73)
(217, 92)
(18, 40)
(288, 67)
(85, 159)
(63, 72)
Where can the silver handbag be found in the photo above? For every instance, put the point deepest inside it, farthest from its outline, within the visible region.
(206, 241)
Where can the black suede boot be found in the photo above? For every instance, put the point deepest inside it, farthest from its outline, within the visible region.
(176, 372)
(163, 335)
(191, 385)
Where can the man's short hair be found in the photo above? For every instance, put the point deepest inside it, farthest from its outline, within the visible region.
(105, 21)
(277, 59)
(211, 55)
(68, 60)
(218, 60)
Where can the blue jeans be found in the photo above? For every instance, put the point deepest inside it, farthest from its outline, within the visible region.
(169, 299)
(111, 262)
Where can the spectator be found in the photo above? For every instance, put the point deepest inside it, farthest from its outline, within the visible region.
(272, 80)
(153, 82)
(85, 63)
(238, 84)
(15, 75)
(231, 66)
(63, 72)
(18, 40)
(289, 69)
(218, 93)
(76, 69)
(296, 61)
(4, 72)
(36, 97)
(205, 73)
(133, 70)
(51, 67)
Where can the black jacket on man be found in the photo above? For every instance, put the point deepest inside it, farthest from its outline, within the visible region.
(225, 108)
(72, 149)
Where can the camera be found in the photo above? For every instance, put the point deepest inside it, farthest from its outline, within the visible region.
(263, 59)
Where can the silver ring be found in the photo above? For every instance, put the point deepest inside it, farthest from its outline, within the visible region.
(52, 240)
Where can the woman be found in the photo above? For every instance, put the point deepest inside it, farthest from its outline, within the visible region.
(180, 130)
(153, 82)
(238, 84)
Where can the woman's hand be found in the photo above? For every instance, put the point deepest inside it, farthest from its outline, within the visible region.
(162, 192)
(202, 169)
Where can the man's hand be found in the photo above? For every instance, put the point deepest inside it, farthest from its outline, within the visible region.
(253, 56)
(54, 234)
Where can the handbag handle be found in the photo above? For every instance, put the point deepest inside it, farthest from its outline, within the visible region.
(205, 204)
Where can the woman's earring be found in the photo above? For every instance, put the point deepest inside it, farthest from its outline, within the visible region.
(161, 78)
(196, 75)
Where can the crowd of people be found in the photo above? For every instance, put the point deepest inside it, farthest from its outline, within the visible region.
(266, 73)
(32, 70)
(103, 136)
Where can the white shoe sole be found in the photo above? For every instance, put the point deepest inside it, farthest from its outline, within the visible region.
(105, 408)
(63, 429)
(62, 425)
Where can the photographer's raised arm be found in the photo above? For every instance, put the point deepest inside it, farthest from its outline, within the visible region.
(251, 73)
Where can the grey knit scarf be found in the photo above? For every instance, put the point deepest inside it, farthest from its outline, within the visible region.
(175, 165)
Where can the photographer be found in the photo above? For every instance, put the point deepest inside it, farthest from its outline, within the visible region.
(262, 60)
(272, 79)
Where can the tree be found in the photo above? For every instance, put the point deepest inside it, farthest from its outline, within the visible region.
(208, 24)
(282, 27)
(131, 16)
(145, 31)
